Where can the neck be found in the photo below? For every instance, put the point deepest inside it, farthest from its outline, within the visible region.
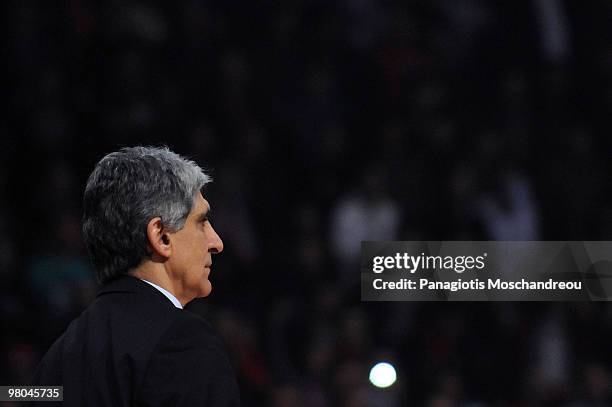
(156, 273)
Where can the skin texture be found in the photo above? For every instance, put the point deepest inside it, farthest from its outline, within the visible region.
(181, 261)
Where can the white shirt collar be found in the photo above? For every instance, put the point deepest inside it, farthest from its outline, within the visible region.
(167, 293)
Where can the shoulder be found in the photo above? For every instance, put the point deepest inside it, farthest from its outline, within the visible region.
(190, 366)
(191, 332)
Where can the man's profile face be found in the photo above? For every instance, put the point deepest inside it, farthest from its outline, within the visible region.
(192, 249)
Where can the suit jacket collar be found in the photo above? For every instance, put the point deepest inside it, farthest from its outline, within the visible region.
(130, 284)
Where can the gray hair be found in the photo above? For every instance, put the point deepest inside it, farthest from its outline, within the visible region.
(127, 189)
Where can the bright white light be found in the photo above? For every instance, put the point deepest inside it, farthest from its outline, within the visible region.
(382, 375)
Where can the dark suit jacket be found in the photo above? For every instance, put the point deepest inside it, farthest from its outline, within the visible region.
(133, 347)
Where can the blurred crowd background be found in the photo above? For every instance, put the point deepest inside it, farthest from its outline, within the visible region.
(324, 123)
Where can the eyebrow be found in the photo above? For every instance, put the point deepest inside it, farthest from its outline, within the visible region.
(204, 215)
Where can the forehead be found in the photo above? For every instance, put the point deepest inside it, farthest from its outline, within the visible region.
(200, 205)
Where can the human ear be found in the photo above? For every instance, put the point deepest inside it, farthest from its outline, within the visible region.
(158, 238)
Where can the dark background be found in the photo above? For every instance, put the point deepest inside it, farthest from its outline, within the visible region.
(324, 123)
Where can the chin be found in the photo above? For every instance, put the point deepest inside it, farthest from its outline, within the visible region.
(206, 289)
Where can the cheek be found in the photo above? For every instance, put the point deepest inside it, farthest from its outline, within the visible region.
(198, 257)
(195, 248)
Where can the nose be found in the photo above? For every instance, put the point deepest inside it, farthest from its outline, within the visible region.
(215, 243)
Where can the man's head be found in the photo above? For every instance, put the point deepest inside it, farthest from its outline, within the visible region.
(144, 204)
